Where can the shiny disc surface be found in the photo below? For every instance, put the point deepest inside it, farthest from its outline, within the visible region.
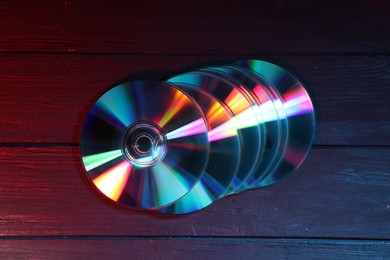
(274, 123)
(244, 119)
(144, 144)
(299, 113)
(225, 150)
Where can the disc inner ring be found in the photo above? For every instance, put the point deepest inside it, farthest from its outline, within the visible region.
(144, 144)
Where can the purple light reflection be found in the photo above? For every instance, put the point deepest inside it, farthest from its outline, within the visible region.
(193, 128)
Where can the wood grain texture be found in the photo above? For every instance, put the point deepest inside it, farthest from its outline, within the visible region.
(340, 193)
(45, 98)
(153, 248)
(195, 27)
(57, 57)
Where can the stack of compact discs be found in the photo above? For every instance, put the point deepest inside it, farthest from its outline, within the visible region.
(176, 146)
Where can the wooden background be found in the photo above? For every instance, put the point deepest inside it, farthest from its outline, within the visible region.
(58, 57)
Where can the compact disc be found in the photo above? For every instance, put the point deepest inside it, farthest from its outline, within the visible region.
(299, 112)
(224, 158)
(244, 120)
(267, 106)
(144, 144)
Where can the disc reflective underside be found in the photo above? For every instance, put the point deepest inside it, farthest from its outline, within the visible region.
(144, 144)
(225, 149)
(267, 117)
(299, 113)
(244, 119)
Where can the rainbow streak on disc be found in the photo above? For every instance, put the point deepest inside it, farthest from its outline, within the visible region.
(267, 107)
(223, 161)
(244, 119)
(144, 144)
(299, 114)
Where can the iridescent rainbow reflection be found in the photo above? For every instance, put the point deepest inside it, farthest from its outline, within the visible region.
(113, 181)
(95, 160)
(245, 116)
(179, 101)
(216, 114)
(104, 143)
(170, 184)
(221, 126)
(229, 128)
(112, 104)
(297, 101)
(196, 127)
(237, 101)
(292, 104)
(201, 195)
(223, 161)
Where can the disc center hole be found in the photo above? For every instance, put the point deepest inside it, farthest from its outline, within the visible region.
(143, 144)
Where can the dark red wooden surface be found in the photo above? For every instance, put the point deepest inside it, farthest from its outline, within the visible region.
(337, 193)
(48, 101)
(57, 57)
(195, 27)
(190, 248)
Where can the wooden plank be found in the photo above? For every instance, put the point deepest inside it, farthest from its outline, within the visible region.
(45, 98)
(337, 193)
(193, 249)
(187, 27)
